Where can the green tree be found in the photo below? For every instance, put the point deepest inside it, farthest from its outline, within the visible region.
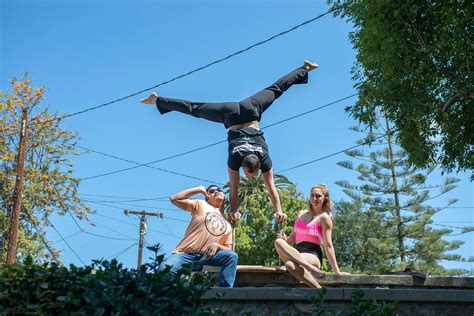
(49, 183)
(256, 231)
(388, 207)
(363, 242)
(414, 62)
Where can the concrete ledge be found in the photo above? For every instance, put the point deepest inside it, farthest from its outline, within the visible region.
(274, 276)
(300, 294)
(281, 301)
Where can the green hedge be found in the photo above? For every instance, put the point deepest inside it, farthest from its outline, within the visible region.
(103, 288)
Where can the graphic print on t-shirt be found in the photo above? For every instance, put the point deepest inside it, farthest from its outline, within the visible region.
(247, 148)
(215, 224)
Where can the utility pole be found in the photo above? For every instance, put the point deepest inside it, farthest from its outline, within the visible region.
(143, 216)
(15, 213)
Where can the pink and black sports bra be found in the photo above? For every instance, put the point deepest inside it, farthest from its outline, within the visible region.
(311, 232)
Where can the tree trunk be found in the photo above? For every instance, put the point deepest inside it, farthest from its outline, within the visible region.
(398, 218)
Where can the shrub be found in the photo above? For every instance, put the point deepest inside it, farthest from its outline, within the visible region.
(103, 288)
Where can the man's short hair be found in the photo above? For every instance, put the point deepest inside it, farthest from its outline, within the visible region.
(212, 186)
(251, 162)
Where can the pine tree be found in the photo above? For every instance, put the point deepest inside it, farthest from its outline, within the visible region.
(388, 208)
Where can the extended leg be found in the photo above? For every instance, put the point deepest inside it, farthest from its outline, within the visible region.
(212, 111)
(301, 274)
(288, 253)
(263, 99)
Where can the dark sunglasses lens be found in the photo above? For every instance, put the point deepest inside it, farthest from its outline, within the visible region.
(212, 191)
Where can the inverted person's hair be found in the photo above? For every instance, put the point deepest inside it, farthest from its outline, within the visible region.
(251, 162)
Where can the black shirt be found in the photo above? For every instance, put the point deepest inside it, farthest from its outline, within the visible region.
(245, 141)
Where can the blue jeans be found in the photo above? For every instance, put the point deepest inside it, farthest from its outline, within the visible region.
(225, 259)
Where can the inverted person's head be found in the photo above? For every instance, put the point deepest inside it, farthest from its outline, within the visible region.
(251, 165)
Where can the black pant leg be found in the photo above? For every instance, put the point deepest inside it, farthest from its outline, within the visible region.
(263, 99)
(211, 111)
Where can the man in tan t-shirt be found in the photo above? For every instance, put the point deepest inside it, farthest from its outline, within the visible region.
(208, 238)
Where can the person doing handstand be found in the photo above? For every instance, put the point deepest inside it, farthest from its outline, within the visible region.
(247, 147)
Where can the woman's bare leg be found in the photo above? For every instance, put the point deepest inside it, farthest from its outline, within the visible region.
(302, 274)
(288, 253)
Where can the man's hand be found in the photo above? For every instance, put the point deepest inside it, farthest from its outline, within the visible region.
(211, 250)
(203, 191)
(234, 216)
(281, 217)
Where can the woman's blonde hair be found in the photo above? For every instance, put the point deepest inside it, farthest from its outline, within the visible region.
(327, 203)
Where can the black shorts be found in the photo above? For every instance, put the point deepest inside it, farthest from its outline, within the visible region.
(309, 247)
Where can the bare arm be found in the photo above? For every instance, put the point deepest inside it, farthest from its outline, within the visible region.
(234, 179)
(273, 193)
(326, 223)
(291, 239)
(182, 200)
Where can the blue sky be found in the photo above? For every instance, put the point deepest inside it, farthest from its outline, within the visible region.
(91, 52)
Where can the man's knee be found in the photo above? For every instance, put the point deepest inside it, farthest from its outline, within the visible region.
(230, 256)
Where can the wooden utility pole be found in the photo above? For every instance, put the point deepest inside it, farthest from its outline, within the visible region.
(143, 216)
(15, 213)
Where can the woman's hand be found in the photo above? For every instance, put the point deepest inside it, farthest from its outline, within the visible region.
(342, 273)
(281, 235)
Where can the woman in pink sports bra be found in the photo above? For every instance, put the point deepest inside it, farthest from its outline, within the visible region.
(313, 228)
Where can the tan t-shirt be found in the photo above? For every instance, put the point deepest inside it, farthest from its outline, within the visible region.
(207, 225)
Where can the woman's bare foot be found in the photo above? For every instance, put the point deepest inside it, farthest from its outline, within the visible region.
(309, 65)
(151, 99)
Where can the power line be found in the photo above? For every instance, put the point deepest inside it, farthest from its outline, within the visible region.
(330, 155)
(203, 67)
(121, 208)
(129, 199)
(138, 165)
(67, 237)
(69, 246)
(124, 222)
(449, 226)
(121, 252)
(51, 252)
(152, 162)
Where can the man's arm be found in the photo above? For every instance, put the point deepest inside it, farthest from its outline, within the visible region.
(273, 193)
(182, 200)
(234, 180)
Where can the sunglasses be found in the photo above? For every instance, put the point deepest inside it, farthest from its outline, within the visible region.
(214, 190)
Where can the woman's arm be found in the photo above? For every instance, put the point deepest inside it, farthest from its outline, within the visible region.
(182, 200)
(326, 224)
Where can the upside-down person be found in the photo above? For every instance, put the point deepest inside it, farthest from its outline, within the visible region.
(247, 146)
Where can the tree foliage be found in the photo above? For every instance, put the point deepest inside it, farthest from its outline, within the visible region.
(391, 226)
(103, 288)
(49, 182)
(414, 63)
